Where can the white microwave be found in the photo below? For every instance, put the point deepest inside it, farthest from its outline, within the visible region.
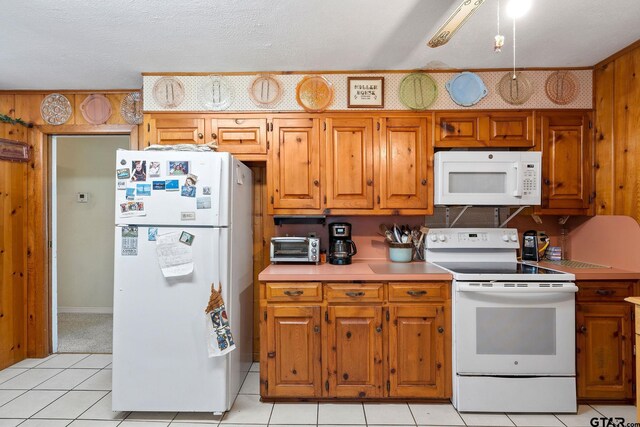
(489, 178)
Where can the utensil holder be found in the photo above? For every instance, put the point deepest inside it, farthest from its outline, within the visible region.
(401, 252)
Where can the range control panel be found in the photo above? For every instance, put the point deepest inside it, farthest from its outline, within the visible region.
(469, 238)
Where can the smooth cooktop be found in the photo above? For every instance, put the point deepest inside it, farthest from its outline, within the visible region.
(495, 268)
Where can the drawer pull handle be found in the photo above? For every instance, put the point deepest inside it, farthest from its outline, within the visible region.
(605, 292)
(416, 293)
(295, 293)
(354, 294)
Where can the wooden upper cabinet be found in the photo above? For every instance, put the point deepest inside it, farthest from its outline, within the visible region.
(604, 350)
(458, 129)
(294, 164)
(405, 156)
(293, 351)
(174, 129)
(348, 163)
(417, 350)
(238, 135)
(510, 129)
(354, 344)
(484, 129)
(566, 163)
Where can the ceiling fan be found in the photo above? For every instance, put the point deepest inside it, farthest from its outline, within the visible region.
(455, 21)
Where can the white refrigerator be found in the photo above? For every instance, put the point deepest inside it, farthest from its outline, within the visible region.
(160, 356)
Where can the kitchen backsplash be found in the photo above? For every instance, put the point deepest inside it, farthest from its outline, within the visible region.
(241, 100)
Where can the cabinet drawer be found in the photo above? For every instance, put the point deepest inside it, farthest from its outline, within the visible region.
(349, 292)
(294, 291)
(413, 292)
(604, 291)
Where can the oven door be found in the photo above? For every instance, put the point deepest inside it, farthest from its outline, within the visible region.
(514, 331)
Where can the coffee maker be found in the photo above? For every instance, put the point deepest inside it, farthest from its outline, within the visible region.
(341, 247)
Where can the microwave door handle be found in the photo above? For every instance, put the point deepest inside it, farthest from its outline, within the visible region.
(519, 179)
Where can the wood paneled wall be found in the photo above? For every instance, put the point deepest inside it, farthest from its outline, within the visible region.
(24, 260)
(617, 141)
(13, 259)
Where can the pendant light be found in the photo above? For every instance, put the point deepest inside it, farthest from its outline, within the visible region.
(499, 38)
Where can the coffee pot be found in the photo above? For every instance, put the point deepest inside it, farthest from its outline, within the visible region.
(341, 247)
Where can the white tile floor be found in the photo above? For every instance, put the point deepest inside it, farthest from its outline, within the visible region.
(75, 390)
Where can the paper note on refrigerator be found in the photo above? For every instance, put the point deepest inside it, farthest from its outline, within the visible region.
(176, 258)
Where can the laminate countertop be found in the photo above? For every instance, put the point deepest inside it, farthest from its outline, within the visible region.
(374, 270)
(381, 270)
(594, 273)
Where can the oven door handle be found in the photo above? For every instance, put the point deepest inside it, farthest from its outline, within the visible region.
(463, 287)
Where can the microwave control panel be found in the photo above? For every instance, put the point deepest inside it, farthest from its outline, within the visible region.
(530, 181)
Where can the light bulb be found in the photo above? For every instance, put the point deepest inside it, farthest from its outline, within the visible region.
(518, 8)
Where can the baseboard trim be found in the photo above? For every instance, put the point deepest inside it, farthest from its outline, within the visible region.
(92, 310)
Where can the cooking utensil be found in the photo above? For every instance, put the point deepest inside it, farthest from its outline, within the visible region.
(397, 233)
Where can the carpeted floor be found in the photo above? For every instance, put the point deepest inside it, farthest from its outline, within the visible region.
(85, 333)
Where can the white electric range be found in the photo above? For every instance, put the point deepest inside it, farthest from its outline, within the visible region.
(513, 324)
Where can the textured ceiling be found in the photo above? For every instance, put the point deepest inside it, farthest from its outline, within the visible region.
(75, 44)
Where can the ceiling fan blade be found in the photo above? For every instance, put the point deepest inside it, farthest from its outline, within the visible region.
(455, 21)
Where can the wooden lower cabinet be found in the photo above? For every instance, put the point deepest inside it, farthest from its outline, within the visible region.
(354, 344)
(416, 350)
(604, 341)
(378, 340)
(293, 351)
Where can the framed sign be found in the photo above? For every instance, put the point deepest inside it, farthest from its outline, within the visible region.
(13, 150)
(366, 92)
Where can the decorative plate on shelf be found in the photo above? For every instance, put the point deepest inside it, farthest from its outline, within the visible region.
(55, 109)
(418, 91)
(516, 90)
(314, 93)
(215, 93)
(466, 89)
(96, 109)
(131, 108)
(168, 92)
(265, 91)
(562, 87)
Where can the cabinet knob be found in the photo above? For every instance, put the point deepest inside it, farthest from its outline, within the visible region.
(423, 182)
(213, 135)
(200, 136)
(547, 182)
(440, 329)
(378, 329)
(583, 329)
(369, 182)
(239, 121)
(316, 182)
(316, 329)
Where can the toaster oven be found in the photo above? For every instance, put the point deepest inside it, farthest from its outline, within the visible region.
(295, 249)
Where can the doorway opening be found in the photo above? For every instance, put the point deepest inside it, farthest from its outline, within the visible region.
(82, 199)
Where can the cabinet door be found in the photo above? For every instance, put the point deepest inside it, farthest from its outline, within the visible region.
(605, 351)
(459, 129)
(405, 155)
(566, 158)
(293, 351)
(295, 164)
(239, 136)
(349, 163)
(510, 129)
(354, 339)
(417, 350)
(175, 129)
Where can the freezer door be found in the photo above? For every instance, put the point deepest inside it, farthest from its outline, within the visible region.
(160, 358)
(152, 188)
